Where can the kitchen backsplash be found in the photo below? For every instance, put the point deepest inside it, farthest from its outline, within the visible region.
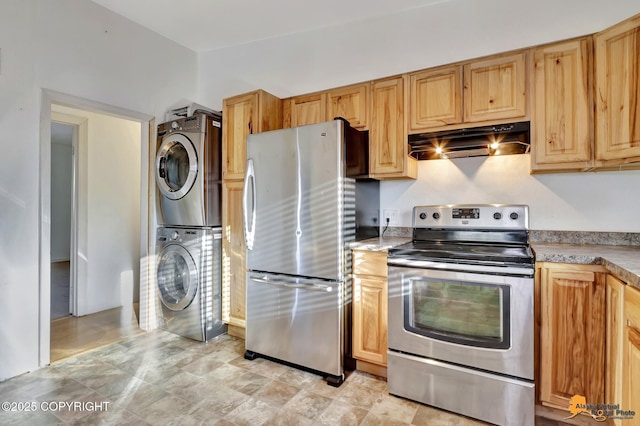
(581, 237)
(565, 237)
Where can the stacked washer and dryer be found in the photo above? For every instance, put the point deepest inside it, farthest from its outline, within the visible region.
(189, 237)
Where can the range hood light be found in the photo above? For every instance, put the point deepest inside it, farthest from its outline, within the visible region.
(502, 139)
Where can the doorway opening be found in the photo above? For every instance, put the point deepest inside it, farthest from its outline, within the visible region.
(94, 225)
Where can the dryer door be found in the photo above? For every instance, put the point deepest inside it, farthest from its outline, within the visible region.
(177, 277)
(176, 166)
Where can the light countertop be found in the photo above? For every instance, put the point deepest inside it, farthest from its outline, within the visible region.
(378, 243)
(622, 261)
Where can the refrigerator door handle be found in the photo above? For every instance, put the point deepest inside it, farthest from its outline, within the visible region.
(286, 284)
(249, 217)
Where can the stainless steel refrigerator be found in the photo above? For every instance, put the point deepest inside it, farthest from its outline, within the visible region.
(299, 217)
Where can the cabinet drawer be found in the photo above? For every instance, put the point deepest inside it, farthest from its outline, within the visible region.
(370, 263)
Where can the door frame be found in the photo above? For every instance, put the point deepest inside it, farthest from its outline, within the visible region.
(80, 138)
(148, 134)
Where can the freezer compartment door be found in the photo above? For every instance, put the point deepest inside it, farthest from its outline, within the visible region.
(296, 320)
(301, 201)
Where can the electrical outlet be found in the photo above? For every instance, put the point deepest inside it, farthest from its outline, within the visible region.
(392, 215)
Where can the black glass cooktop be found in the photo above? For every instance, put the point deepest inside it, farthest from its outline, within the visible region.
(464, 251)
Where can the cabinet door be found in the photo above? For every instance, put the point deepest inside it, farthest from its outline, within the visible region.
(388, 148)
(495, 88)
(238, 121)
(614, 346)
(572, 335)
(617, 57)
(435, 98)
(563, 104)
(370, 319)
(308, 109)
(233, 255)
(350, 103)
(370, 307)
(631, 362)
(242, 115)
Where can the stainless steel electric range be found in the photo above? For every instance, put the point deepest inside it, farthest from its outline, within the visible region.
(461, 322)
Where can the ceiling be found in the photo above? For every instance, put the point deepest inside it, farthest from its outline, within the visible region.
(203, 25)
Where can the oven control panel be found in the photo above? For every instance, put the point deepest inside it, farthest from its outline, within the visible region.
(480, 216)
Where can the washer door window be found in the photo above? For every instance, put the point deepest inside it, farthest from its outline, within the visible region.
(177, 277)
(176, 166)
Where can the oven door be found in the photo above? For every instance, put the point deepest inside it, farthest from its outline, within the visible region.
(478, 320)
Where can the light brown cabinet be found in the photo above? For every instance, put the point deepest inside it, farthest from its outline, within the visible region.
(617, 77)
(435, 98)
(563, 101)
(233, 258)
(631, 358)
(350, 103)
(388, 148)
(303, 110)
(614, 342)
(495, 88)
(370, 306)
(572, 332)
(243, 115)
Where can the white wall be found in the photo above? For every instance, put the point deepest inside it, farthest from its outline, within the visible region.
(602, 201)
(78, 48)
(374, 48)
(379, 47)
(61, 191)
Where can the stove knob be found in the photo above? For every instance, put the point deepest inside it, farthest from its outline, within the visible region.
(436, 215)
(423, 215)
(514, 216)
(497, 215)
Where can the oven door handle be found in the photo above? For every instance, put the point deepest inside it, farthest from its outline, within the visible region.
(491, 269)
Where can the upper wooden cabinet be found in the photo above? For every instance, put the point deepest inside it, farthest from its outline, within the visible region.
(435, 98)
(495, 88)
(350, 103)
(572, 333)
(487, 90)
(303, 110)
(562, 125)
(617, 75)
(242, 115)
(388, 148)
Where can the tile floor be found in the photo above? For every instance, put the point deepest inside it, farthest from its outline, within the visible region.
(161, 379)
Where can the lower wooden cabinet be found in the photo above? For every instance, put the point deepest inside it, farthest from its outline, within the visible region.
(614, 342)
(631, 355)
(233, 258)
(572, 333)
(370, 306)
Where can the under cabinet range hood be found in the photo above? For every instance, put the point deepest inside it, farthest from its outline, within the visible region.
(502, 139)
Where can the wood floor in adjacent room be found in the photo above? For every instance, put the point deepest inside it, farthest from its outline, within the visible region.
(71, 336)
